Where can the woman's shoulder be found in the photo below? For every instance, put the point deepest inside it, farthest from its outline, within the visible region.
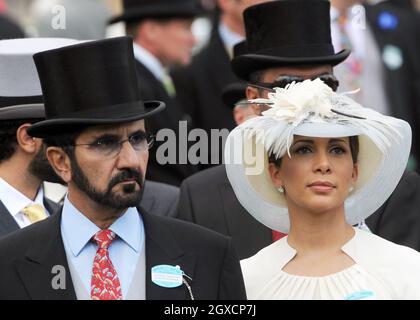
(376, 249)
(397, 266)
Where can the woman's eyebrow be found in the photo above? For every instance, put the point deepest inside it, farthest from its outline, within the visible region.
(338, 140)
(303, 141)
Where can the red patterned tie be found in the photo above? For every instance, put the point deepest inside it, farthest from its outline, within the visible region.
(105, 284)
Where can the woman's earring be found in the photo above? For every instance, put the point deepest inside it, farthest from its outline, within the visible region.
(281, 189)
(351, 189)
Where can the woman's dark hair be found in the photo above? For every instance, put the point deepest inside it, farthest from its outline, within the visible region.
(354, 149)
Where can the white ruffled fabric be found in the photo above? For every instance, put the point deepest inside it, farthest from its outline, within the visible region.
(383, 270)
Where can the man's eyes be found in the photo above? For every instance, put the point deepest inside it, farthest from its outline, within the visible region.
(105, 142)
(138, 137)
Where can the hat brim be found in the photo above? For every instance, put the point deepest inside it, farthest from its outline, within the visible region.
(379, 173)
(246, 64)
(233, 93)
(187, 10)
(103, 116)
(21, 112)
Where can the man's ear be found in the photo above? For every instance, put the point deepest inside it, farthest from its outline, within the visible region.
(27, 143)
(60, 162)
(252, 93)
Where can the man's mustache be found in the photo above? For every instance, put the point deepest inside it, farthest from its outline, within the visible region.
(125, 175)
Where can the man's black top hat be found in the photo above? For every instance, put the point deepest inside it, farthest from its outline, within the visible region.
(91, 83)
(287, 32)
(136, 10)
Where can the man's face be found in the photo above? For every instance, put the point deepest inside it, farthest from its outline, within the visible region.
(174, 41)
(235, 8)
(270, 75)
(114, 179)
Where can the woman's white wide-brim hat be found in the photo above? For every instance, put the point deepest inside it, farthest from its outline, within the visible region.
(311, 109)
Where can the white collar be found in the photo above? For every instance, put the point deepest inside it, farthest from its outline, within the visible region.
(229, 37)
(15, 201)
(150, 61)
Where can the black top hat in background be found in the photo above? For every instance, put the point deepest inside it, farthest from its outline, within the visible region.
(287, 32)
(91, 83)
(235, 92)
(136, 10)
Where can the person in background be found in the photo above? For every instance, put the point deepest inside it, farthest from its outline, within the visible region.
(23, 165)
(207, 197)
(384, 61)
(161, 31)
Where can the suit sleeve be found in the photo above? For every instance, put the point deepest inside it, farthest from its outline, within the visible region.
(398, 220)
(231, 286)
(185, 211)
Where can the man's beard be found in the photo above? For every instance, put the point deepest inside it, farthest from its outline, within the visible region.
(41, 168)
(131, 197)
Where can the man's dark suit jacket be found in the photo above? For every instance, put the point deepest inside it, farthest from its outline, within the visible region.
(27, 258)
(160, 198)
(207, 198)
(9, 29)
(200, 85)
(402, 85)
(152, 89)
(8, 224)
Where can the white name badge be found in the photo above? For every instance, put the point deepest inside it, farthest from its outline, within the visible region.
(167, 276)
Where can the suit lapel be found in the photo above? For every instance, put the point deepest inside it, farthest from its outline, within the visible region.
(162, 248)
(51, 206)
(45, 260)
(219, 67)
(7, 223)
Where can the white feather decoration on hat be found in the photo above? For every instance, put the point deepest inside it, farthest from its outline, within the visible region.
(314, 102)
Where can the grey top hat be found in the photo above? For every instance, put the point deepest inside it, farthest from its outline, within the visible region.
(20, 90)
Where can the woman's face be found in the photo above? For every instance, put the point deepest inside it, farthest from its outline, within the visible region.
(318, 175)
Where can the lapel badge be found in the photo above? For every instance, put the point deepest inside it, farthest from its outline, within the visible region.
(167, 276)
(392, 57)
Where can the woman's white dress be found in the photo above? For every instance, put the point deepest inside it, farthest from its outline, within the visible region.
(382, 270)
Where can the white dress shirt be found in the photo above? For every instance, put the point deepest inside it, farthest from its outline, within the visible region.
(150, 62)
(229, 38)
(15, 201)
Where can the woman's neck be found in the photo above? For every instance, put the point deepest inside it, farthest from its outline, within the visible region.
(318, 232)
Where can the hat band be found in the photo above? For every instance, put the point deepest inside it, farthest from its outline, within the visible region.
(298, 51)
(17, 101)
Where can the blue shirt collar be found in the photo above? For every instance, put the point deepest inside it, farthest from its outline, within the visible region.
(79, 230)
